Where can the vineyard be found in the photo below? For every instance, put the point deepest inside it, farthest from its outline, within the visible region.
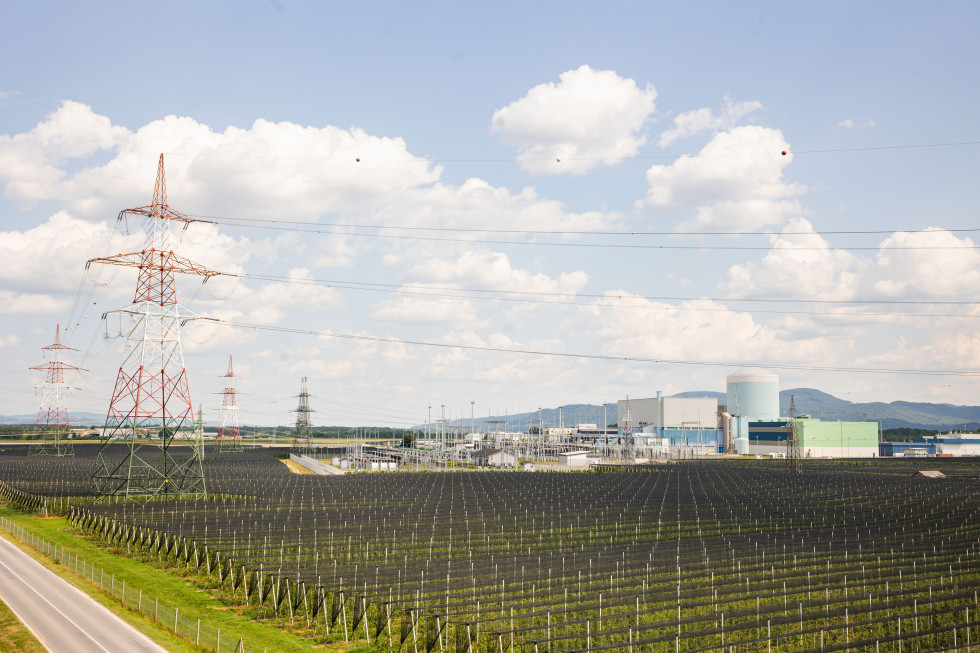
(696, 556)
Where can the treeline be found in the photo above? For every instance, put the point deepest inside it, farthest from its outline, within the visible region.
(904, 434)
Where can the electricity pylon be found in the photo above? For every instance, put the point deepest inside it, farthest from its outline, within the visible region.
(794, 458)
(229, 436)
(627, 446)
(199, 433)
(303, 437)
(151, 404)
(52, 416)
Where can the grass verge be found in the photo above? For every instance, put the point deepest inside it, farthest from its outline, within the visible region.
(14, 635)
(170, 586)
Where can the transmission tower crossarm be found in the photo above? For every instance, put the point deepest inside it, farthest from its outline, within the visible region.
(57, 365)
(157, 260)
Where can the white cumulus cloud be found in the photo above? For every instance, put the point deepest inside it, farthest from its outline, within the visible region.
(704, 119)
(691, 330)
(944, 266)
(588, 117)
(52, 255)
(734, 183)
(32, 303)
(801, 263)
(493, 271)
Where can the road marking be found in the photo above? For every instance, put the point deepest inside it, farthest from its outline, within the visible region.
(43, 598)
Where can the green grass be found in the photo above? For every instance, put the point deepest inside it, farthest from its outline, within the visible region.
(172, 589)
(14, 635)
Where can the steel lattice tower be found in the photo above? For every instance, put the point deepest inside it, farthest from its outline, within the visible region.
(229, 436)
(199, 433)
(52, 416)
(627, 447)
(794, 457)
(151, 404)
(303, 437)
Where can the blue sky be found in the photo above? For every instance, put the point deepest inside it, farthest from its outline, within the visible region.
(666, 117)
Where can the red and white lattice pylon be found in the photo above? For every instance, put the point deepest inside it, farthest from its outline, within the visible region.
(229, 438)
(52, 424)
(150, 410)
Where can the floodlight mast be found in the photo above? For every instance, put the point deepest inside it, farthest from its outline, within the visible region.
(151, 397)
(52, 416)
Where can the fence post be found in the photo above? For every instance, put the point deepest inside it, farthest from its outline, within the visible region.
(176, 612)
(197, 640)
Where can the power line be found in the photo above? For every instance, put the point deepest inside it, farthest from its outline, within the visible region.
(400, 288)
(354, 160)
(640, 246)
(569, 232)
(630, 359)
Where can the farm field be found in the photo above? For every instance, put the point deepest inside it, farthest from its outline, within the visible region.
(727, 554)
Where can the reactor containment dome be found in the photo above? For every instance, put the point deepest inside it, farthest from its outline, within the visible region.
(753, 393)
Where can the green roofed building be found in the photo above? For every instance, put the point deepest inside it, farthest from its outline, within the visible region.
(818, 439)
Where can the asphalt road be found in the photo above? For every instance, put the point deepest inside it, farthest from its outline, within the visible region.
(64, 618)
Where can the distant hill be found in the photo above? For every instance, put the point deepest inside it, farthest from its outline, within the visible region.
(896, 414)
(79, 418)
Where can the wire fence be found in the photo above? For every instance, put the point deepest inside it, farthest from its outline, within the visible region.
(132, 597)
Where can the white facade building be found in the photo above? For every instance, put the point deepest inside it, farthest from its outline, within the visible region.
(670, 412)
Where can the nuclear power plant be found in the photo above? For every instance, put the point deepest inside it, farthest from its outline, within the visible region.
(750, 423)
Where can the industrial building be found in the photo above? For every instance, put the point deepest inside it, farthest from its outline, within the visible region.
(907, 449)
(663, 423)
(953, 444)
(818, 439)
(493, 458)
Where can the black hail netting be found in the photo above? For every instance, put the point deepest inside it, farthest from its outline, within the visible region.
(690, 556)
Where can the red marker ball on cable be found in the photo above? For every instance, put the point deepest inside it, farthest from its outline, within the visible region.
(784, 152)
(358, 160)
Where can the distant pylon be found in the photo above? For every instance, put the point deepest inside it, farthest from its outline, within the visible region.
(303, 437)
(794, 458)
(52, 416)
(229, 436)
(199, 433)
(151, 409)
(627, 447)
